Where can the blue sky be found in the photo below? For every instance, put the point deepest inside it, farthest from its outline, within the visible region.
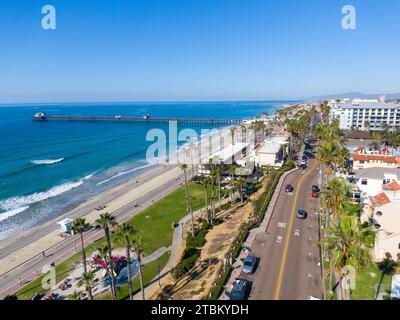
(152, 50)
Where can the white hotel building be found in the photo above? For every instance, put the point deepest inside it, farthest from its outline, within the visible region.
(366, 114)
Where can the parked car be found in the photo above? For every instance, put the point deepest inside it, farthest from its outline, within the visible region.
(315, 188)
(289, 188)
(301, 214)
(239, 289)
(249, 264)
(315, 195)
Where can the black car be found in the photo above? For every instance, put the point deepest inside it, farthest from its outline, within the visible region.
(289, 188)
(315, 189)
(301, 214)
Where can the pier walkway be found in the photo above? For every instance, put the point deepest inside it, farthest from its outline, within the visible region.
(40, 116)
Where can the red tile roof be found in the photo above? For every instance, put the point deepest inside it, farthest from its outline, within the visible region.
(374, 157)
(392, 186)
(379, 200)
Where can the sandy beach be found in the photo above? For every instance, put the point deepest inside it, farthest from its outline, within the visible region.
(31, 243)
(22, 247)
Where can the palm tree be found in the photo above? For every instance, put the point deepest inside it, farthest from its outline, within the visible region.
(88, 281)
(233, 130)
(243, 131)
(125, 233)
(375, 144)
(212, 176)
(204, 183)
(137, 247)
(349, 243)
(327, 153)
(80, 226)
(335, 196)
(106, 221)
(103, 254)
(232, 171)
(191, 146)
(188, 207)
(218, 172)
(367, 124)
(76, 295)
(240, 184)
(388, 267)
(191, 201)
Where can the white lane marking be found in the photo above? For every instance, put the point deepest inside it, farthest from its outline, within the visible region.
(282, 225)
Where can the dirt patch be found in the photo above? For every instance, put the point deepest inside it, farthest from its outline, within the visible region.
(200, 281)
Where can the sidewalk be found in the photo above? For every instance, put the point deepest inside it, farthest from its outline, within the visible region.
(177, 248)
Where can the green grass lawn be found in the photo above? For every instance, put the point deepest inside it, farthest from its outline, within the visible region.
(366, 285)
(62, 271)
(154, 225)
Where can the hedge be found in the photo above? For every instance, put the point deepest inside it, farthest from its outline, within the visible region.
(260, 209)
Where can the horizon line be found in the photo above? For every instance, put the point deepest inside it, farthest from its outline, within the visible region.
(149, 101)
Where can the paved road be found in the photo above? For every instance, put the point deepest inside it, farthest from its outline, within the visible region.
(13, 280)
(289, 254)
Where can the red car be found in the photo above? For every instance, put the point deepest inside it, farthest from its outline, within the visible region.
(315, 195)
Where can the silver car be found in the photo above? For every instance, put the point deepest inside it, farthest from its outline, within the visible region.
(249, 264)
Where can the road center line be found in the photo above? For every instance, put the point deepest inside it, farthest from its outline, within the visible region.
(288, 237)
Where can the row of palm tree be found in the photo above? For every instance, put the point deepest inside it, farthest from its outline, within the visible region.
(388, 136)
(330, 151)
(213, 181)
(126, 235)
(298, 128)
(345, 240)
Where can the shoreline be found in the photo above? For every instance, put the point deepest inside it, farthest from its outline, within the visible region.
(21, 248)
(84, 208)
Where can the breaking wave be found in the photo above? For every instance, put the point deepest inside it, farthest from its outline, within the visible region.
(8, 214)
(16, 203)
(47, 161)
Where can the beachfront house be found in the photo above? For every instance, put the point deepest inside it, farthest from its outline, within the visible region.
(272, 152)
(365, 157)
(371, 181)
(227, 155)
(383, 212)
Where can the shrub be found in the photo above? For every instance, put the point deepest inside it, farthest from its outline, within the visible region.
(198, 240)
(189, 252)
(188, 261)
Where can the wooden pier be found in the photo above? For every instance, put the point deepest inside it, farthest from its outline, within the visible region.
(146, 118)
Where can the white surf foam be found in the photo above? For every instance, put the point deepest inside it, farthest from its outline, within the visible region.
(15, 203)
(47, 161)
(8, 214)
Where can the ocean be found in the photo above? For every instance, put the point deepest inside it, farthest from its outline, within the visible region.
(46, 167)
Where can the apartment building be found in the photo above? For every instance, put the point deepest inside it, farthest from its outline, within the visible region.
(366, 114)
